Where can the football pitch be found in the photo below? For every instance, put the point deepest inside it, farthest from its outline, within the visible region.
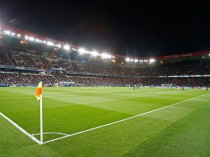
(105, 122)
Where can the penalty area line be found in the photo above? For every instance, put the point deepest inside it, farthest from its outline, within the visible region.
(122, 120)
(20, 128)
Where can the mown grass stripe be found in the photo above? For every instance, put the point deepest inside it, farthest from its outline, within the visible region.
(119, 121)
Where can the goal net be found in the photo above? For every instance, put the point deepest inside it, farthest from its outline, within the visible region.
(168, 85)
(66, 84)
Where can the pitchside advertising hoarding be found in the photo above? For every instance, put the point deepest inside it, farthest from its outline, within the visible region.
(183, 55)
(175, 76)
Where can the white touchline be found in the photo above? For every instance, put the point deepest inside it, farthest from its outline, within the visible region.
(21, 129)
(122, 120)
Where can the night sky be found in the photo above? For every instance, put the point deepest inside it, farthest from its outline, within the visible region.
(128, 28)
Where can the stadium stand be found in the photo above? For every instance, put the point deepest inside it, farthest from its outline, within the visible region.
(25, 65)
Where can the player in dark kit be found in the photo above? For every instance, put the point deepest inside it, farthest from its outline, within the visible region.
(182, 87)
(134, 86)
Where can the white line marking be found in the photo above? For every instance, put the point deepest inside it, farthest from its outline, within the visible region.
(57, 133)
(21, 129)
(122, 120)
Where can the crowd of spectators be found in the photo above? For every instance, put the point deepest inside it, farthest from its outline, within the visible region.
(3, 58)
(105, 81)
(199, 81)
(26, 79)
(50, 80)
(11, 56)
(103, 72)
(61, 77)
(14, 78)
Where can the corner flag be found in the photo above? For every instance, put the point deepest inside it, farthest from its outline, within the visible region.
(39, 97)
(39, 91)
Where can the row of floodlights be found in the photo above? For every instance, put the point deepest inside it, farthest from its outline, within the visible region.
(65, 47)
(95, 53)
(30, 38)
(49, 43)
(141, 60)
(11, 33)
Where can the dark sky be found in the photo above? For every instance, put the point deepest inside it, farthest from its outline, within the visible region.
(146, 28)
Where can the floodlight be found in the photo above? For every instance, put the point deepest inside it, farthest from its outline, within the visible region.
(19, 35)
(31, 38)
(105, 55)
(81, 50)
(58, 45)
(7, 32)
(152, 60)
(128, 59)
(49, 43)
(66, 47)
(136, 60)
(12, 34)
(26, 37)
(94, 53)
(109, 56)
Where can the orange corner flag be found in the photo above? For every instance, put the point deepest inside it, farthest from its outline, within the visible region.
(39, 91)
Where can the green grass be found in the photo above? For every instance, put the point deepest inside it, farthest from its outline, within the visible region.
(179, 130)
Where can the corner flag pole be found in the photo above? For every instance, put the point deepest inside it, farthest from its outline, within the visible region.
(39, 97)
(41, 121)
